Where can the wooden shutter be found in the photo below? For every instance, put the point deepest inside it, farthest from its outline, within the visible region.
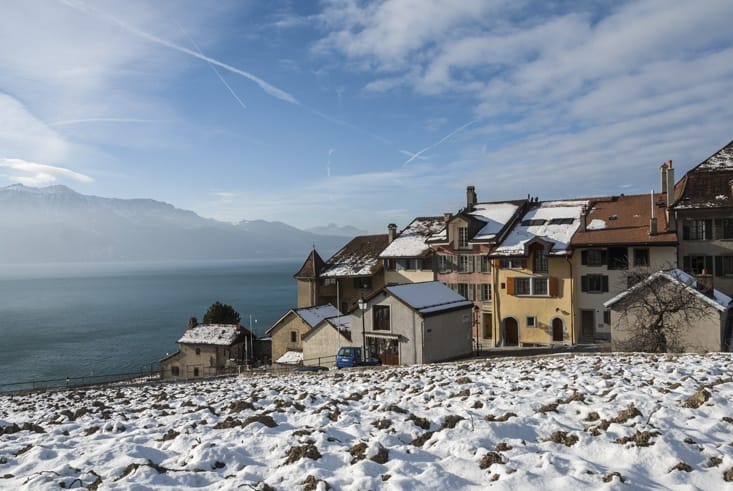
(708, 229)
(708, 264)
(554, 286)
(604, 283)
(604, 257)
(686, 263)
(718, 265)
(685, 230)
(510, 286)
(471, 261)
(584, 257)
(584, 283)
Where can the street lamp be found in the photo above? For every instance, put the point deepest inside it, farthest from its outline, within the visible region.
(363, 308)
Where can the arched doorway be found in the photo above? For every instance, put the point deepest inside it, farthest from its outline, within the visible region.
(558, 330)
(511, 332)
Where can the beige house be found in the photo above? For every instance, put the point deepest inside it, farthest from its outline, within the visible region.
(321, 343)
(408, 257)
(206, 350)
(414, 323)
(288, 332)
(702, 213)
(669, 295)
(619, 238)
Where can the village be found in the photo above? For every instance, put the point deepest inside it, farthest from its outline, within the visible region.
(495, 275)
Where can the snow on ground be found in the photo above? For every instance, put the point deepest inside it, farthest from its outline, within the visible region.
(565, 422)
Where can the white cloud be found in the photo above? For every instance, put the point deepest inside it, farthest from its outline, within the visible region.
(33, 174)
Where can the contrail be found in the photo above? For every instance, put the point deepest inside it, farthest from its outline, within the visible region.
(452, 133)
(231, 91)
(268, 88)
(67, 122)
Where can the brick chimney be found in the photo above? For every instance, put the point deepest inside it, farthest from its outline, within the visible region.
(470, 198)
(447, 216)
(391, 232)
(667, 175)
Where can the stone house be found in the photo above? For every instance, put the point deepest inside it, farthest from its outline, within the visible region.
(414, 323)
(408, 257)
(702, 214)
(533, 278)
(288, 332)
(709, 329)
(620, 238)
(321, 343)
(207, 350)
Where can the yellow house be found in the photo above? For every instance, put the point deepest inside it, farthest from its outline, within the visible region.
(533, 280)
(288, 332)
(408, 258)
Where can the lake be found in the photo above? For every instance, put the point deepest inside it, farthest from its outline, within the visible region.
(61, 321)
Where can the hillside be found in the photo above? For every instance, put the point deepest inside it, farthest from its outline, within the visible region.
(57, 224)
(565, 422)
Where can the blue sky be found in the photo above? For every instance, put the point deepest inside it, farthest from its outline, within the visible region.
(360, 113)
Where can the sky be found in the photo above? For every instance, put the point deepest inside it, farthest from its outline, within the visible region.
(359, 113)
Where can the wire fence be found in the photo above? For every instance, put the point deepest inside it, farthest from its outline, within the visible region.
(152, 372)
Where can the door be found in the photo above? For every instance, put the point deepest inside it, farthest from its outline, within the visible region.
(511, 332)
(557, 330)
(587, 324)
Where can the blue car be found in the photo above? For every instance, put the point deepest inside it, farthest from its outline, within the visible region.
(350, 356)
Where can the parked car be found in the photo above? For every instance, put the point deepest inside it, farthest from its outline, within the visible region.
(350, 356)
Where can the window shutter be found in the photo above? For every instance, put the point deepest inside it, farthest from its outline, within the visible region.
(604, 257)
(686, 231)
(718, 229)
(718, 265)
(604, 281)
(584, 283)
(686, 263)
(510, 286)
(471, 261)
(554, 286)
(708, 229)
(583, 257)
(708, 264)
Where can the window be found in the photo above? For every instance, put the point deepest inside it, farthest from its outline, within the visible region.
(594, 283)
(390, 264)
(380, 314)
(426, 264)
(445, 264)
(484, 292)
(487, 331)
(593, 257)
(540, 261)
(196, 372)
(293, 336)
(363, 283)
(328, 281)
(618, 258)
(607, 317)
(465, 264)
(175, 371)
(521, 286)
(511, 264)
(533, 222)
(462, 289)
(698, 265)
(531, 321)
(724, 228)
(462, 237)
(724, 265)
(198, 351)
(697, 230)
(485, 264)
(641, 257)
(539, 286)
(561, 221)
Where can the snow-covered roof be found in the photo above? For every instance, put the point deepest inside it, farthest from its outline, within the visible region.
(552, 221)
(291, 358)
(720, 160)
(428, 297)
(495, 215)
(357, 258)
(411, 241)
(216, 334)
(596, 224)
(717, 299)
(313, 315)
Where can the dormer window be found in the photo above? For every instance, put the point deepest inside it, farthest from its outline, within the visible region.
(462, 237)
(540, 260)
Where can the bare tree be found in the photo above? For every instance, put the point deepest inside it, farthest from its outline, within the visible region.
(653, 314)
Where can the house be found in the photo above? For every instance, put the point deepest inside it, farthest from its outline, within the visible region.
(702, 214)
(461, 252)
(288, 332)
(321, 343)
(355, 271)
(694, 317)
(408, 257)
(414, 323)
(533, 280)
(206, 350)
(620, 237)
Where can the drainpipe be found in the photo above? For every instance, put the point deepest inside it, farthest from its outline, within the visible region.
(496, 314)
(572, 301)
(414, 340)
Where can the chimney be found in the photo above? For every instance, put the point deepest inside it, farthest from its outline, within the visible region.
(391, 232)
(730, 187)
(470, 198)
(583, 219)
(653, 226)
(447, 216)
(670, 184)
(192, 322)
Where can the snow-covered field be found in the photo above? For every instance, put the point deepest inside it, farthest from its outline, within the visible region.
(562, 422)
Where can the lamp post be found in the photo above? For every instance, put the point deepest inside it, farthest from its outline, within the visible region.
(363, 308)
(476, 323)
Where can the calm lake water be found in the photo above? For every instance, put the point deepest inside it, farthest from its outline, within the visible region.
(81, 320)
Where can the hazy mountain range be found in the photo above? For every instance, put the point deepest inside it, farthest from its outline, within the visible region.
(57, 224)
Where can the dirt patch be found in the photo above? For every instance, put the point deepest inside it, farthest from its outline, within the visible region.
(547, 408)
(382, 455)
(502, 447)
(491, 458)
(395, 409)
(311, 483)
(477, 405)
(463, 380)
(298, 452)
(463, 393)
(592, 416)
(682, 466)
(609, 477)
(728, 475)
(714, 461)
(264, 419)
(626, 414)
(450, 422)
(640, 438)
(169, 435)
(358, 452)
(697, 399)
(239, 406)
(420, 441)
(505, 417)
(382, 424)
(420, 422)
(14, 428)
(567, 439)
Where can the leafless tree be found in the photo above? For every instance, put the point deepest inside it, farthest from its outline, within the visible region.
(655, 311)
